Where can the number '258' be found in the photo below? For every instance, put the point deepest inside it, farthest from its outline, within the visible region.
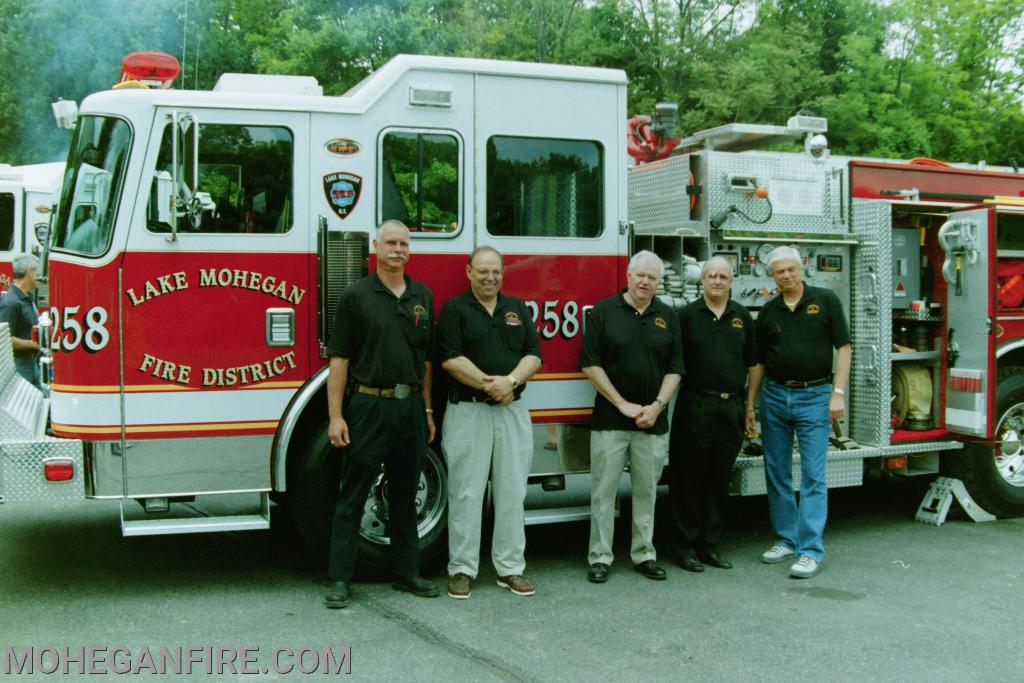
(69, 333)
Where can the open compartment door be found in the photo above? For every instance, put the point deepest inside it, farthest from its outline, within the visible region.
(870, 322)
(968, 244)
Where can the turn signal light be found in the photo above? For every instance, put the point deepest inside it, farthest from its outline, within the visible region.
(59, 469)
(899, 463)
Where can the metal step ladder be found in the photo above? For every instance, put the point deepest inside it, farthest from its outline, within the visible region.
(939, 498)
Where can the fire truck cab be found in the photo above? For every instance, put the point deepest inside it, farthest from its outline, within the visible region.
(205, 236)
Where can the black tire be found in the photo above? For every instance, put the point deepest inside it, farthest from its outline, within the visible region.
(995, 476)
(314, 475)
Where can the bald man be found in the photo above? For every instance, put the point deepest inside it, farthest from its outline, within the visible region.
(719, 357)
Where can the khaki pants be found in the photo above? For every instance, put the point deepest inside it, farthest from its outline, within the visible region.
(481, 440)
(609, 452)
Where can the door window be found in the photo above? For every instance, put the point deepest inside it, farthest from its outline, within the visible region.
(544, 187)
(419, 183)
(246, 170)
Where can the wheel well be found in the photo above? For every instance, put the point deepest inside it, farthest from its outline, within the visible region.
(1010, 361)
(305, 413)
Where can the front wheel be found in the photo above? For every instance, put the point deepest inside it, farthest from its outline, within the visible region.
(314, 477)
(995, 476)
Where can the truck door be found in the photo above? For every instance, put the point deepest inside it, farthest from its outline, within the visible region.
(870, 323)
(217, 316)
(967, 240)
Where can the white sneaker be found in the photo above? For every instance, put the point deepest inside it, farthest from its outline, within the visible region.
(777, 553)
(804, 568)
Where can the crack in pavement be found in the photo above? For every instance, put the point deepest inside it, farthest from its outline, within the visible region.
(501, 669)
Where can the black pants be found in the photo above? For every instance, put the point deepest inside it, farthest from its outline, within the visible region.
(707, 433)
(384, 431)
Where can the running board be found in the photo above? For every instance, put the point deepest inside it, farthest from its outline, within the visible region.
(555, 515)
(155, 526)
(939, 498)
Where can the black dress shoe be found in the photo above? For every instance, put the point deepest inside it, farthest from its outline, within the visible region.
(690, 563)
(715, 560)
(416, 585)
(649, 569)
(598, 573)
(339, 596)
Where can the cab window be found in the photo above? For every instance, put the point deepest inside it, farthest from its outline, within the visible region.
(419, 183)
(246, 170)
(544, 187)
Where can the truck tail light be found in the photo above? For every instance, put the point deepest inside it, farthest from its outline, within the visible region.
(59, 469)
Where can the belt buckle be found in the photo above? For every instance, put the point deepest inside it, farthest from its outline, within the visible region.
(724, 396)
(402, 391)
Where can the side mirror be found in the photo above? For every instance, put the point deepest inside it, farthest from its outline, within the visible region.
(164, 197)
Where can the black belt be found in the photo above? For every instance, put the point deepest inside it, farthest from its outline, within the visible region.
(793, 384)
(397, 391)
(456, 397)
(724, 395)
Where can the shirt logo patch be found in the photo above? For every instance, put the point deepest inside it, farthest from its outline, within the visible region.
(737, 323)
(418, 310)
(512, 318)
(813, 309)
(660, 323)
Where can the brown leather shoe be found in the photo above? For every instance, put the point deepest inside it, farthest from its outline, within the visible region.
(519, 585)
(458, 586)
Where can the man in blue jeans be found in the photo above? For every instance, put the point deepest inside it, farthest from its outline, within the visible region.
(796, 333)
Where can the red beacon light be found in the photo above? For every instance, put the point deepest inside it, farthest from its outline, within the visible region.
(153, 69)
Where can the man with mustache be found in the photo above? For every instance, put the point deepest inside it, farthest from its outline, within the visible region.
(378, 402)
(632, 354)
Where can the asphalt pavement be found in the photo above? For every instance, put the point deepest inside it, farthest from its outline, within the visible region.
(895, 600)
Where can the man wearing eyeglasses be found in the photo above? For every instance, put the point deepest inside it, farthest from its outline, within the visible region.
(489, 346)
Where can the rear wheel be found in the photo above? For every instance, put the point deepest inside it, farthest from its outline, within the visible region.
(314, 477)
(995, 476)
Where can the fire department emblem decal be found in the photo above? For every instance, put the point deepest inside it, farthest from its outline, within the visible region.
(342, 192)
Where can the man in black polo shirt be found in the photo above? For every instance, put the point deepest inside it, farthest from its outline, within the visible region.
(18, 311)
(378, 401)
(707, 428)
(632, 355)
(796, 332)
(490, 347)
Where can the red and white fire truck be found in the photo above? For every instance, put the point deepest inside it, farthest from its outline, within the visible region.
(203, 238)
(28, 196)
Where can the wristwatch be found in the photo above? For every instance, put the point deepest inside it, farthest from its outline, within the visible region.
(839, 390)
(515, 382)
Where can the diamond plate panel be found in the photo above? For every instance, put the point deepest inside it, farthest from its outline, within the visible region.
(807, 195)
(21, 471)
(871, 323)
(748, 475)
(658, 201)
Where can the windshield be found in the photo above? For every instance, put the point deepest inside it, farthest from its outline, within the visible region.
(92, 185)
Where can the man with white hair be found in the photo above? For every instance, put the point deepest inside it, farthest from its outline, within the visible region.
(632, 354)
(796, 332)
(18, 311)
(719, 355)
